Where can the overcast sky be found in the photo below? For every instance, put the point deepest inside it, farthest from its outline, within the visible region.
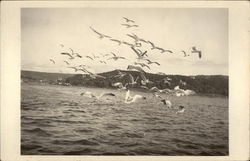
(42, 30)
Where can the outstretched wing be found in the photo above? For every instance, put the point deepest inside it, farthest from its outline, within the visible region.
(106, 94)
(131, 78)
(136, 68)
(143, 77)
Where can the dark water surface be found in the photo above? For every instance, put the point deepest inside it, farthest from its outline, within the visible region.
(56, 120)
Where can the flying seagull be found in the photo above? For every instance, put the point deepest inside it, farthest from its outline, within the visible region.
(103, 62)
(151, 62)
(117, 41)
(76, 69)
(101, 36)
(194, 50)
(128, 20)
(115, 57)
(142, 65)
(144, 80)
(70, 56)
(129, 99)
(62, 45)
(132, 80)
(126, 43)
(131, 67)
(66, 62)
(152, 44)
(163, 50)
(89, 57)
(185, 54)
(52, 61)
(73, 53)
(120, 74)
(129, 26)
(139, 53)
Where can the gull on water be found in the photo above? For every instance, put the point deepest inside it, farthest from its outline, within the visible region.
(91, 95)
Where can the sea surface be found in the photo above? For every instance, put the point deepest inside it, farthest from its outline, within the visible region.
(57, 120)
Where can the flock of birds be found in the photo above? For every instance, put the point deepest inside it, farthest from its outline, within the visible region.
(142, 61)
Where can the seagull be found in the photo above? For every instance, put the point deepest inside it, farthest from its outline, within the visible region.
(129, 26)
(185, 54)
(133, 37)
(181, 109)
(132, 81)
(144, 80)
(101, 36)
(91, 95)
(117, 84)
(167, 103)
(154, 89)
(194, 50)
(76, 69)
(52, 61)
(73, 53)
(142, 65)
(94, 56)
(120, 74)
(144, 87)
(103, 62)
(150, 62)
(163, 50)
(66, 62)
(139, 53)
(128, 20)
(126, 43)
(129, 99)
(152, 44)
(71, 57)
(115, 40)
(89, 57)
(131, 67)
(115, 57)
(94, 76)
(61, 45)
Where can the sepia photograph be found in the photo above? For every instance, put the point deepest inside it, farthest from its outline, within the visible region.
(107, 81)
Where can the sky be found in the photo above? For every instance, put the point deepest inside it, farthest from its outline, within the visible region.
(176, 29)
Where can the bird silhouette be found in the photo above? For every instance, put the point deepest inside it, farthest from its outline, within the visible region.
(126, 43)
(132, 67)
(89, 57)
(66, 62)
(120, 74)
(129, 26)
(128, 20)
(103, 62)
(185, 54)
(101, 36)
(117, 41)
(152, 44)
(151, 62)
(142, 65)
(73, 53)
(115, 57)
(139, 53)
(194, 50)
(70, 56)
(163, 50)
(52, 61)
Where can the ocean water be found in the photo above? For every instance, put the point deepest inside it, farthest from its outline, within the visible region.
(56, 120)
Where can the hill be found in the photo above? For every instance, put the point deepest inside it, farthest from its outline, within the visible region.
(202, 84)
